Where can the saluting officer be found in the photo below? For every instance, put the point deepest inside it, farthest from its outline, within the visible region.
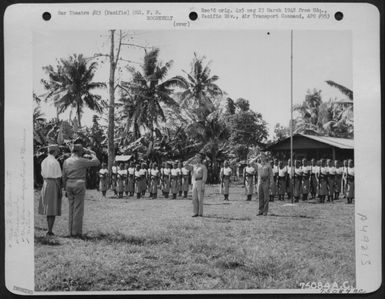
(74, 178)
(199, 177)
(265, 177)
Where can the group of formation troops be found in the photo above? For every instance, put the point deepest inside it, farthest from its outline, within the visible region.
(132, 179)
(326, 180)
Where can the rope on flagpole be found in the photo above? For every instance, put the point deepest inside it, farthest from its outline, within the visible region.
(291, 114)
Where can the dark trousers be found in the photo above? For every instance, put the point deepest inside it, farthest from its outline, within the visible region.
(263, 194)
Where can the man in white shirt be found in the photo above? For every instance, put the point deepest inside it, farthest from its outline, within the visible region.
(51, 194)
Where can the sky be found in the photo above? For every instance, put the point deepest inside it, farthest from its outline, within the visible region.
(254, 65)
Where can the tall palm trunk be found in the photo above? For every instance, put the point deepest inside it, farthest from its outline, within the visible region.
(79, 115)
(111, 109)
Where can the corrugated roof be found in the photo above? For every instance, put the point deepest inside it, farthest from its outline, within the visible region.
(333, 141)
(123, 158)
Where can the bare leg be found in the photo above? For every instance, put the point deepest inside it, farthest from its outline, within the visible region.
(50, 221)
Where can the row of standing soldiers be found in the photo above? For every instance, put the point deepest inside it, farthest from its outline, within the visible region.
(323, 179)
(131, 178)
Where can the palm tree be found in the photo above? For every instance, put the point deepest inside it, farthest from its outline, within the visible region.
(346, 91)
(70, 85)
(342, 121)
(308, 113)
(200, 88)
(147, 94)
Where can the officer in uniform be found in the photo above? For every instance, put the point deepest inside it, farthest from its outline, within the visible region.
(265, 177)
(74, 179)
(199, 177)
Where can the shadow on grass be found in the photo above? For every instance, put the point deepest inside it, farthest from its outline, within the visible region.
(227, 218)
(289, 216)
(128, 239)
(40, 228)
(44, 240)
(216, 204)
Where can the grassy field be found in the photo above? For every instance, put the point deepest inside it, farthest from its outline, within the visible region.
(144, 244)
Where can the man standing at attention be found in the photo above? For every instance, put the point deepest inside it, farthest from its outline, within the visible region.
(74, 179)
(265, 177)
(185, 180)
(199, 177)
(50, 200)
(103, 173)
(225, 176)
(248, 180)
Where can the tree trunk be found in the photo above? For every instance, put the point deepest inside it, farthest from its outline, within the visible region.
(111, 109)
(78, 113)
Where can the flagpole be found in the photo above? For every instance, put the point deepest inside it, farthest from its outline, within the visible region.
(291, 114)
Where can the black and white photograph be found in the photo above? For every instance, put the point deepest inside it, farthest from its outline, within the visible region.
(169, 160)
